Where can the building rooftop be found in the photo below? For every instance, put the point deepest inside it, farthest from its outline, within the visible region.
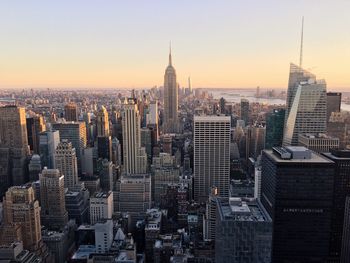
(295, 154)
(338, 154)
(317, 136)
(242, 209)
(212, 118)
(84, 252)
(102, 194)
(86, 227)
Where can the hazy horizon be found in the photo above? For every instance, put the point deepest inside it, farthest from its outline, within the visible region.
(224, 44)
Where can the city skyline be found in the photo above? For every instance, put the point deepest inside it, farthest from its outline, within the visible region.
(220, 45)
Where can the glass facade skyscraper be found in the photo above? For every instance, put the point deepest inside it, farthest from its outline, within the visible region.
(308, 111)
(274, 128)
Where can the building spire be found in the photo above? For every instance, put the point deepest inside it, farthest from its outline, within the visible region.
(301, 43)
(170, 62)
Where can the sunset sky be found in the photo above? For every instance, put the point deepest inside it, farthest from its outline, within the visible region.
(124, 44)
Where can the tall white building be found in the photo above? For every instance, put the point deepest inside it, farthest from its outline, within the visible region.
(101, 206)
(66, 163)
(211, 155)
(257, 182)
(103, 236)
(308, 111)
(170, 99)
(133, 156)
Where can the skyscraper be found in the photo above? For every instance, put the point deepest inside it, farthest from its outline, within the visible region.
(133, 162)
(48, 142)
(14, 145)
(75, 132)
(222, 104)
(164, 172)
(297, 192)
(52, 199)
(274, 128)
(341, 189)
(104, 147)
(212, 137)
(71, 112)
(13, 129)
(35, 125)
(245, 111)
(170, 99)
(257, 140)
(66, 163)
(333, 103)
(102, 122)
(152, 116)
(308, 112)
(296, 75)
(105, 172)
(21, 208)
(345, 251)
(34, 168)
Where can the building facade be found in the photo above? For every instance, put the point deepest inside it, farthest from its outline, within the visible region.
(66, 163)
(243, 231)
(297, 193)
(52, 199)
(212, 138)
(101, 206)
(306, 108)
(21, 209)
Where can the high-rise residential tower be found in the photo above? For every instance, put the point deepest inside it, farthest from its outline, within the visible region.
(170, 99)
(52, 199)
(66, 163)
(212, 137)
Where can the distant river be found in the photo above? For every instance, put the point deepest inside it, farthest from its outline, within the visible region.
(236, 96)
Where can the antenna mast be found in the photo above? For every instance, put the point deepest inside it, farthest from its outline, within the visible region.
(301, 43)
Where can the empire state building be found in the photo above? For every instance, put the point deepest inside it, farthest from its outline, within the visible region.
(170, 99)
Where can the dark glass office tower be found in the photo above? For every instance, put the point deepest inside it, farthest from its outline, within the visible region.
(341, 158)
(333, 103)
(274, 128)
(297, 192)
(245, 111)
